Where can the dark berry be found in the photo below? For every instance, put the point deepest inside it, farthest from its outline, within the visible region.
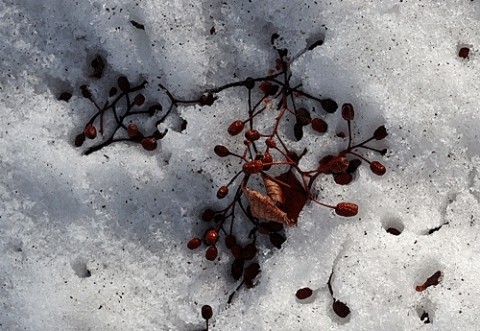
(208, 215)
(221, 151)
(222, 192)
(380, 133)
(463, 52)
(207, 312)
(252, 135)
(304, 293)
(347, 112)
(346, 209)
(341, 309)
(65, 96)
(329, 105)
(377, 168)
(211, 253)
(79, 140)
(149, 144)
(123, 84)
(139, 99)
(249, 252)
(236, 127)
(319, 125)
(343, 179)
(211, 237)
(90, 131)
(194, 243)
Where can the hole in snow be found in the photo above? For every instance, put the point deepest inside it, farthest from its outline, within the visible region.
(393, 226)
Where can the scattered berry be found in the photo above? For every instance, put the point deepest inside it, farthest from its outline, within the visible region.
(149, 144)
(222, 192)
(211, 253)
(236, 127)
(346, 209)
(304, 293)
(90, 131)
(194, 243)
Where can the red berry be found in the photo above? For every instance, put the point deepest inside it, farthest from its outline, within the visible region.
(267, 158)
(194, 243)
(90, 131)
(123, 84)
(132, 130)
(149, 144)
(249, 251)
(222, 192)
(236, 127)
(304, 293)
(211, 253)
(346, 209)
(347, 112)
(252, 135)
(208, 215)
(139, 99)
(211, 237)
(270, 143)
(378, 168)
(319, 125)
(343, 179)
(221, 151)
(252, 167)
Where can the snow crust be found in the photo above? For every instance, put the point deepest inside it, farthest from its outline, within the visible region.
(98, 242)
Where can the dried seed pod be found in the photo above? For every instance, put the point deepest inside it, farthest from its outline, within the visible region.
(65, 96)
(319, 125)
(347, 112)
(194, 243)
(304, 293)
(346, 209)
(270, 143)
(261, 206)
(329, 105)
(211, 237)
(90, 131)
(208, 215)
(274, 190)
(303, 116)
(132, 130)
(252, 135)
(236, 127)
(252, 167)
(343, 179)
(207, 312)
(123, 84)
(139, 99)
(79, 140)
(222, 192)
(149, 144)
(340, 309)
(378, 168)
(221, 150)
(211, 253)
(431, 281)
(380, 133)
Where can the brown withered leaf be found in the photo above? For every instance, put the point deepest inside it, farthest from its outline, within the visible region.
(295, 195)
(262, 206)
(274, 189)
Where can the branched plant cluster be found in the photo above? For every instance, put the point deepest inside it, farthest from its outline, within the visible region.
(264, 155)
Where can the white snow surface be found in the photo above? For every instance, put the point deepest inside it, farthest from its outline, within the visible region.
(98, 242)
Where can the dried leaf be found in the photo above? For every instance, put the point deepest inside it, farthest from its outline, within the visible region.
(262, 206)
(295, 195)
(274, 189)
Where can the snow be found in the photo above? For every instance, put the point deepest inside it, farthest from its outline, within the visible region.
(98, 242)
